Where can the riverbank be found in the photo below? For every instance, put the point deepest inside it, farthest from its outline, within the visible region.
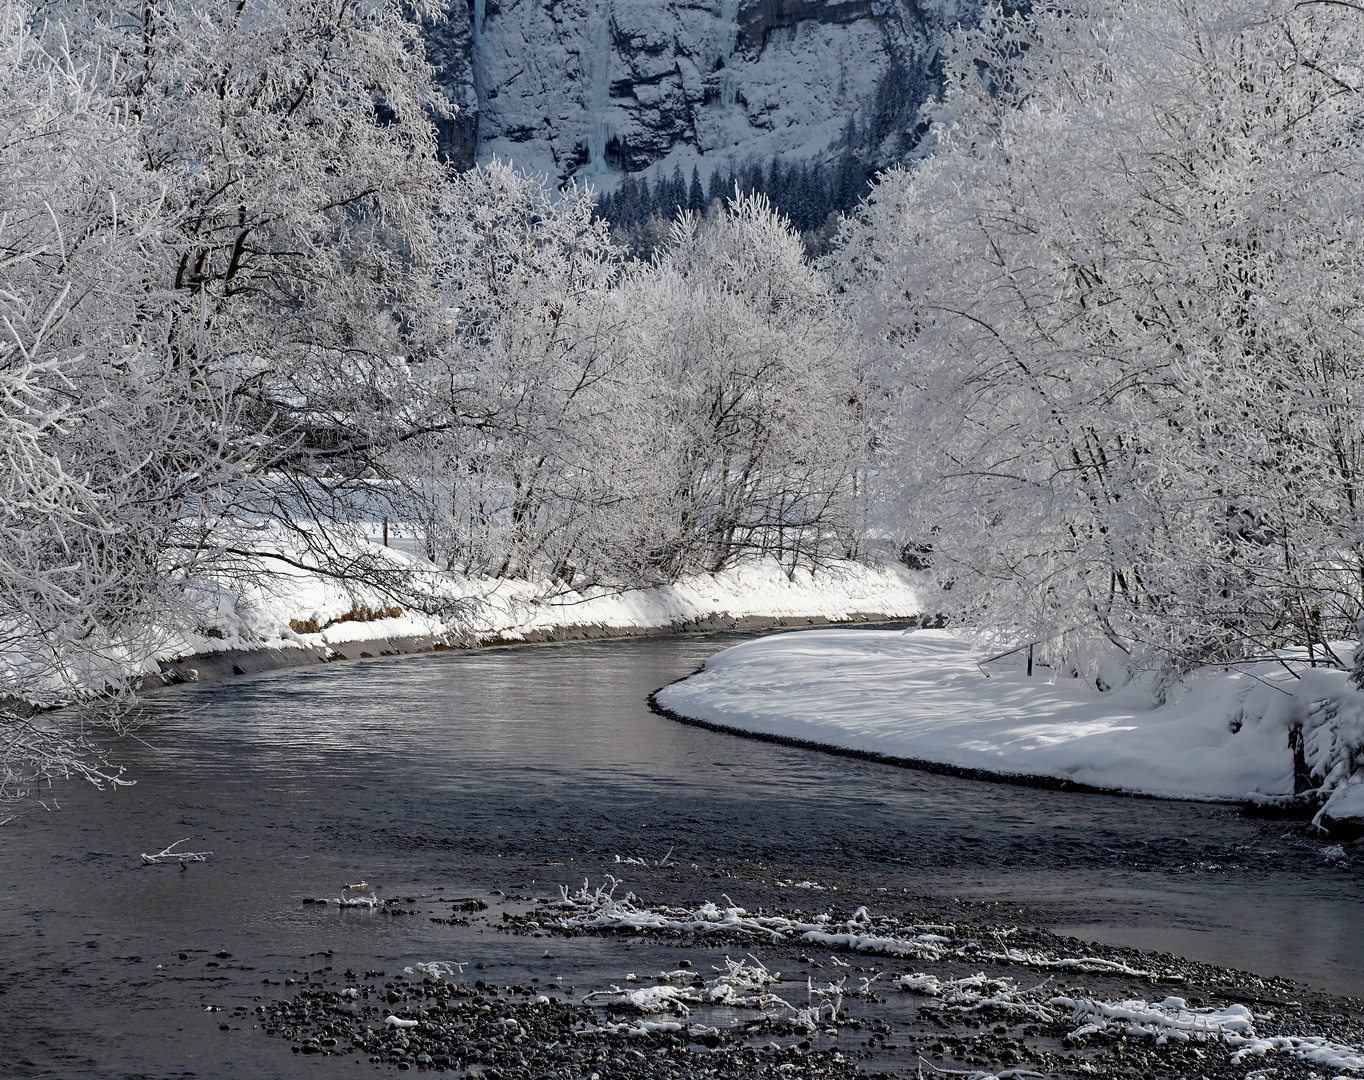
(1259, 732)
(299, 619)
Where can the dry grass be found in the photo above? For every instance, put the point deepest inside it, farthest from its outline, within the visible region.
(355, 614)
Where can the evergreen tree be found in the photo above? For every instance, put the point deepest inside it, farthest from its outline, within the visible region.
(677, 194)
(798, 208)
(605, 208)
(776, 186)
(644, 202)
(696, 197)
(752, 179)
(624, 207)
(850, 180)
(716, 188)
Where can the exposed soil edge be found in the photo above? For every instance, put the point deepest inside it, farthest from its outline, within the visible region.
(231, 663)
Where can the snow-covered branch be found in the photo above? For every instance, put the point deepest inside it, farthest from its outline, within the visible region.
(1119, 312)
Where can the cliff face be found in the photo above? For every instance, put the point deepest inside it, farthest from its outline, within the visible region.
(450, 48)
(592, 89)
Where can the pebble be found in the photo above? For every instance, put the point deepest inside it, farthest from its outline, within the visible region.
(506, 1033)
(519, 1033)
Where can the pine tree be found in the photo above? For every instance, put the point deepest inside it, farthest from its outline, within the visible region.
(799, 198)
(752, 178)
(644, 202)
(716, 188)
(696, 197)
(776, 184)
(677, 194)
(623, 209)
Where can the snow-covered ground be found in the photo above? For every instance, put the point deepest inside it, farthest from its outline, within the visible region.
(294, 609)
(1220, 734)
(844, 591)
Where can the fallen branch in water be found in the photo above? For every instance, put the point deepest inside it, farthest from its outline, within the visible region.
(168, 853)
(742, 985)
(371, 901)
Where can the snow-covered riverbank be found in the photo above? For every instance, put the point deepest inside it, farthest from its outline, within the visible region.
(1222, 734)
(295, 617)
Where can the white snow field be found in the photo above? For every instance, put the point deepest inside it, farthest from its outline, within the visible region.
(1222, 734)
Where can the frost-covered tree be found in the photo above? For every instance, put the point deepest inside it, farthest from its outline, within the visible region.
(1121, 306)
(1357, 672)
(294, 146)
(760, 430)
(519, 421)
(215, 223)
(105, 443)
(599, 421)
(241, 300)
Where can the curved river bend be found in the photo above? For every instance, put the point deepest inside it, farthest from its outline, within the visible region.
(522, 769)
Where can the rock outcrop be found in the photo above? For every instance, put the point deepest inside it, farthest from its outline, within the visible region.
(592, 89)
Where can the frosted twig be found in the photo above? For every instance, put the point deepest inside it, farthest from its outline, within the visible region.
(742, 985)
(1089, 965)
(370, 901)
(445, 970)
(830, 997)
(168, 853)
(976, 1074)
(589, 908)
(865, 989)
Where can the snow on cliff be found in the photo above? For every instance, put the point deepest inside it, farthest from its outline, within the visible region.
(589, 89)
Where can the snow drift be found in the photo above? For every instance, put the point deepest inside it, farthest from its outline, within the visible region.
(1221, 734)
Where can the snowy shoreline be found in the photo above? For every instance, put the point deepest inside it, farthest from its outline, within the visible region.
(920, 700)
(939, 768)
(216, 666)
(257, 633)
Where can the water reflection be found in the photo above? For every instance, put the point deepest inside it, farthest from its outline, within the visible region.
(557, 741)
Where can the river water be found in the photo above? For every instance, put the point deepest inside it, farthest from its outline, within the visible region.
(507, 772)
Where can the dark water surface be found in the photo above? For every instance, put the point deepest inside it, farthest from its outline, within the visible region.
(520, 770)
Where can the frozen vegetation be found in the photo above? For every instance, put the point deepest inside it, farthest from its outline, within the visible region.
(246, 312)
(748, 984)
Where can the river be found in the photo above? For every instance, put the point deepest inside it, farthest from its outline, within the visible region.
(507, 772)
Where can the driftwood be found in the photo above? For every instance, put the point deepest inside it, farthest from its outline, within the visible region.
(169, 854)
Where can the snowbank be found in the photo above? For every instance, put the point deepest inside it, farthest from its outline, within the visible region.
(291, 609)
(843, 592)
(920, 696)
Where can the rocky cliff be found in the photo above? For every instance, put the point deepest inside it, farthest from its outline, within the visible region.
(593, 89)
